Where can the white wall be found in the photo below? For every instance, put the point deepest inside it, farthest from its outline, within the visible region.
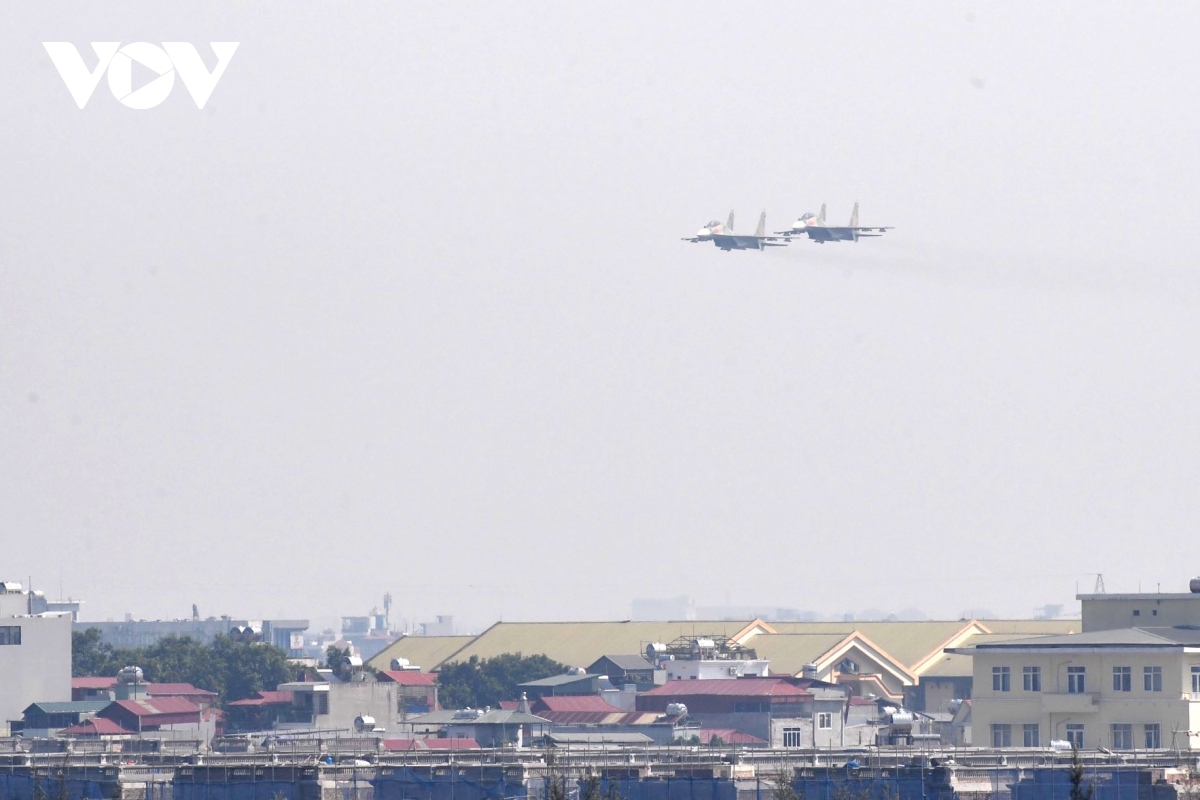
(36, 670)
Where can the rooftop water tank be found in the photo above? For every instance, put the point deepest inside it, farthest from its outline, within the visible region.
(1194, 585)
(130, 674)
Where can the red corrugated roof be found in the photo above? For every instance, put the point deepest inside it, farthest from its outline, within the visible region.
(96, 726)
(738, 687)
(394, 745)
(582, 717)
(729, 736)
(586, 702)
(152, 689)
(159, 705)
(266, 699)
(450, 744)
(409, 677)
(169, 689)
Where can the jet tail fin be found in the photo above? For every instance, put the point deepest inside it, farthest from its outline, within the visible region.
(762, 224)
(729, 225)
(854, 216)
(821, 216)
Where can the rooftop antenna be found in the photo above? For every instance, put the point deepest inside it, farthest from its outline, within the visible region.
(1099, 584)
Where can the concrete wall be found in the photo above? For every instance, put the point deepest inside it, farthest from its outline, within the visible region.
(1099, 707)
(36, 670)
(1105, 612)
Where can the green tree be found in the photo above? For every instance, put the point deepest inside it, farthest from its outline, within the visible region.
(476, 683)
(91, 656)
(337, 659)
(233, 670)
(1078, 790)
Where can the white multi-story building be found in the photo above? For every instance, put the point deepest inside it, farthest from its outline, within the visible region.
(1124, 689)
(35, 654)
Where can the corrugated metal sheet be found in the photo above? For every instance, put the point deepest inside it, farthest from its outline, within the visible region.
(729, 736)
(907, 642)
(587, 702)
(732, 687)
(426, 652)
(97, 726)
(789, 652)
(409, 677)
(577, 644)
(450, 744)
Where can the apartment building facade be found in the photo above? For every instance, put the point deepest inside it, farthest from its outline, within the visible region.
(1123, 689)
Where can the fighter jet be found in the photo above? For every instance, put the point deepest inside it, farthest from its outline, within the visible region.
(815, 228)
(724, 237)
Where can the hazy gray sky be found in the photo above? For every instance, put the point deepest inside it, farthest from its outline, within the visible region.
(404, 308)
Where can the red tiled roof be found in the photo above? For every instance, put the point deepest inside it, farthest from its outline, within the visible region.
(93, 683)
(736, 687)
(450, 744)
(587, 702)
(510, 705)
(729, 736)
(409, 677)
(96, 726)
(861, 701)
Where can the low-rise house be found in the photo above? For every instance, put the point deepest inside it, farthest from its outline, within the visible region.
(154, 714)
(772, 709)
(95, 728)
(576, 710)
(41, 719)
(490, 728)
(569, 683)
(417, 691)
(626, 669)
(105, 688)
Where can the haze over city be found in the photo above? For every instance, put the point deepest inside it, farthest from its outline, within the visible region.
(404, 309)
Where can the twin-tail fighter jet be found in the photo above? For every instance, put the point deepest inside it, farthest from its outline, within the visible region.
(815, 228)
(725, 239)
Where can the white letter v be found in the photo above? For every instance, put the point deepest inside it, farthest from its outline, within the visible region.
(74, 72)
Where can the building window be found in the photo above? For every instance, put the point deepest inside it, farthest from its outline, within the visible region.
(1137, 613)
(1000, 679)
(1122, 736)
(1001, 735)
(1075, 680)
(793, 737)
(1153, 736)
(1152, 679)
(10, 634)
(1033, 736)
(824, 720)
(1195, 680)
(1122, 679)
(1075, 736)
(1031, 679)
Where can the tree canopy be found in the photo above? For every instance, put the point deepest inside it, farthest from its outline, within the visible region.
(233, 670)
(476, 683)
